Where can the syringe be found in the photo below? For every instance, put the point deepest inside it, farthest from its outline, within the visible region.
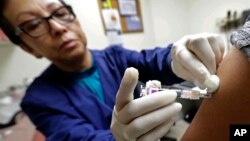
(192, 93)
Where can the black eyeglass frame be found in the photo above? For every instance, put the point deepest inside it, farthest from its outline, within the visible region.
(19, 28)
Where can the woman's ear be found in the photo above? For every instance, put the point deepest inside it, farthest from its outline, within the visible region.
(30, 51)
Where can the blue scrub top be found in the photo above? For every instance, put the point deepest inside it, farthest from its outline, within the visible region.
(91, 80)
(65, 111)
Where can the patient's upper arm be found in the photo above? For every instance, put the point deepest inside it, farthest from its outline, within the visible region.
(229, 105)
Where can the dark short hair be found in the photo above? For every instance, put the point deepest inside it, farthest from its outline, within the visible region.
(7, 28)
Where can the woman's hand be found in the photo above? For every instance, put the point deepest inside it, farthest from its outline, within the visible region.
(144, 119)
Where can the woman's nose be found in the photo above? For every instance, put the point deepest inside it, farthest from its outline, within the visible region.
(56, 28)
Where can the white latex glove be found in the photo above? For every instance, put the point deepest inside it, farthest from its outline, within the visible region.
(196, 57)
(144, 119)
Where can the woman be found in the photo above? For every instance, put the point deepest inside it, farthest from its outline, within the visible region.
(75, 97)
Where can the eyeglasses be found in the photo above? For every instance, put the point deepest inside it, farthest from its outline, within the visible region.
(40, 26)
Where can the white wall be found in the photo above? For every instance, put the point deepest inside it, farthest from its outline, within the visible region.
(204, 14)
(170, 20)
(174, 18)
(164, 21)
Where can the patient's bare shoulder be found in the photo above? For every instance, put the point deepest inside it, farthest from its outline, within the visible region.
(229, 105)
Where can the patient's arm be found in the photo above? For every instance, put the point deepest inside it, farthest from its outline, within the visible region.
(229, 105)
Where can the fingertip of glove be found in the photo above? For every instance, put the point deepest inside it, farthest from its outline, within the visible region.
(212, 83)
(131, 71)
(177, 106)
(131, 74)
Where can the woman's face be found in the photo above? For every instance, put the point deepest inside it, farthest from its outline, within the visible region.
(63, 43)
